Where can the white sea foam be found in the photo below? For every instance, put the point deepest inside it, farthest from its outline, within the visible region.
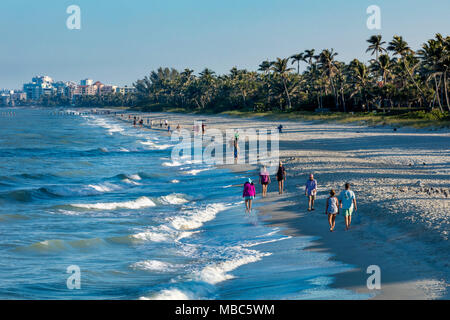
(257, 243)
(154, 145)
(141, 202)
(152, 236)
(168, 294)
(194, 172)
(162, 233)
(174, 198)
(153, 265)
(196, 218)
(218, 272)
(128, 181)
(172, 164)
(106, 187)
(175, 181)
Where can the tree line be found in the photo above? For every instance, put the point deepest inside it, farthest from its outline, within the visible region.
(396, 77)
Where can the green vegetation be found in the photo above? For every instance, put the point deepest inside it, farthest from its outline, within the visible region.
(398, 86)
(397, 79)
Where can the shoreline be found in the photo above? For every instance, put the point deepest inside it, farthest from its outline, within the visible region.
(408, 260)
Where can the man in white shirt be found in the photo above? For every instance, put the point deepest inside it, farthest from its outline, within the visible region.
(347, 200)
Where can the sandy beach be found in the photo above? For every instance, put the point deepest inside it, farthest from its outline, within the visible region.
(402, 183)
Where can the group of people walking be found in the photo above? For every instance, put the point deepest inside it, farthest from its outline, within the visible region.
(345, 202)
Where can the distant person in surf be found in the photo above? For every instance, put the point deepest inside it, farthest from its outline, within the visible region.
(236, 135)
(311, 191)
(203, 128)
(281, 177)
(347, 200)
(134, 122)
(332, 209)
(235, 150)
(264, 180)
(160, 123)
(178, 127)
(280, 128)
(249, 194)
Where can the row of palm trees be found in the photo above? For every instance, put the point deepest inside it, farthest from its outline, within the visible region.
(395, 77)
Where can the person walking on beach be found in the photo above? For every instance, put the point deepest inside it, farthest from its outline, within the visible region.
(332, 209)
(347, 200)
(249, 194)
(264, 180)
(311, 191)
(281, 177)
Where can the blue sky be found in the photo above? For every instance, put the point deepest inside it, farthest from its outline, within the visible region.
(121, 41)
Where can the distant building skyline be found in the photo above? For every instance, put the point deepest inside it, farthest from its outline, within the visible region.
(123, 41)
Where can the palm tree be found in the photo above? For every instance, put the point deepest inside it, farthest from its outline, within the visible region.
(376, 45)
(309, 55)
(265, 66)
(297, 58)
(327, 63)
(400, 47)
(361, 80)
(280, 68)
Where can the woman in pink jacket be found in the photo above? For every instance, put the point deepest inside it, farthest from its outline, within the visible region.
(249, 194)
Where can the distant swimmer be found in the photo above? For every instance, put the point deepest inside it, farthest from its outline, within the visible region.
(168, 128)
(160, 123)
(332, 209)
(178, 127)
(281, 177)
(249, 194)
(264, 180)
(141, 123)
(311, 191)
(347, 200)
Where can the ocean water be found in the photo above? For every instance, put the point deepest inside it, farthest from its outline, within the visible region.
(94, 192)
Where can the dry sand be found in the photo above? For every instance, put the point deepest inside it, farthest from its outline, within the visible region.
(402, 183)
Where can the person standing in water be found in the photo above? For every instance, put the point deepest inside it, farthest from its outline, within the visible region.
(347, 200)
(235, 150)
(332, 209)
(249, 194)
(281, 177)
(264, 180)
(311, 191)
